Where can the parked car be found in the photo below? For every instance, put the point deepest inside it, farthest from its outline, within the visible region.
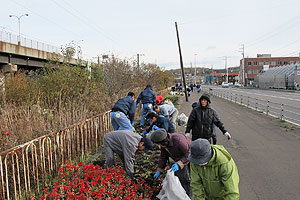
(225, 85)
(237, 84)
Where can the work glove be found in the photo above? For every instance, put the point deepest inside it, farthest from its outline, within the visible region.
(155, 127)
(144, 133)
(132, 123)
(188, 135)
(227, 135)
(175, 167)
(156, 175)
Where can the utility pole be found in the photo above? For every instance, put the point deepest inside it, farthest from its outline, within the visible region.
(226, 69)
(191, 77)
(195, 69)
(181, 63)
(242, 71)
(138, 60)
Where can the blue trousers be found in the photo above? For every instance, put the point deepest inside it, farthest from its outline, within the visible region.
(120, 121)
(147, 107)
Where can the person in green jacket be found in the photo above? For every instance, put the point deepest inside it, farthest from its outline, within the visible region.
(214, 174)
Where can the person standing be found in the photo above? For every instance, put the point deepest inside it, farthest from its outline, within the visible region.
(148, 98)
(122, 114)
(201, 120)
(214, 174)
(214, 128)
(168, 111)
(176, 146)
(124, 143)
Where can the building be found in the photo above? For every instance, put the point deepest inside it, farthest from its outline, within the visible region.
(219, 75)
(283, 77)
(263, 62)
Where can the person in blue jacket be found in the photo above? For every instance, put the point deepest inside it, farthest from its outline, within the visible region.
(158, 122)
(148, 98)
(122, 114)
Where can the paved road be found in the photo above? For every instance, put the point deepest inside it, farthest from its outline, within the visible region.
(266, 153)
(258, 99)
(281, 97)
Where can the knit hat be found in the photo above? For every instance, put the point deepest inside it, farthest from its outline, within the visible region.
(201, 151)
(205, 96)
(159, 135)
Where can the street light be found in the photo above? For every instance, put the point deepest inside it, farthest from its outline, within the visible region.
(19, 20)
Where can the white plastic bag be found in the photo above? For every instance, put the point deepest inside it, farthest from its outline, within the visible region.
(182, 119)
(168, 101)
(172, 189)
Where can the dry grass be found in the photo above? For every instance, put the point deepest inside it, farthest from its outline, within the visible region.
(32, 106)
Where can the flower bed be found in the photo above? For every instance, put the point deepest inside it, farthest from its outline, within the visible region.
(93, 182)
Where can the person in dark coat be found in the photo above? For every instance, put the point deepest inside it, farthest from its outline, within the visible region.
(214, 127)
(122, 114)
(201, 120)
(159, 122)
(176, 146)
(148, 98)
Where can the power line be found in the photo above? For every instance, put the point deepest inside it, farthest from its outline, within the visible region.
(87, 23)
(85, 17)
(282, 28)
(45, 18)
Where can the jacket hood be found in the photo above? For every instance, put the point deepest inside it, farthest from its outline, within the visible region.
(205, 96)
(221, 153)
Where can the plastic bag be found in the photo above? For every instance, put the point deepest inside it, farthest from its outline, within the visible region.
(168, 101)
(182, 119)
(172, 189)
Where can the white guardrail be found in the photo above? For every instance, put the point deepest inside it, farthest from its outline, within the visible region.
(285, 112)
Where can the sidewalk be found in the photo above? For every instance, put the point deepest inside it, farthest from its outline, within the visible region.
(265, 150)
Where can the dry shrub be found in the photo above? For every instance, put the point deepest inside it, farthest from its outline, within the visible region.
(61, 95)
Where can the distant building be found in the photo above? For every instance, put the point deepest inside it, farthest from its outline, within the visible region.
(219, 75)
(263, 62)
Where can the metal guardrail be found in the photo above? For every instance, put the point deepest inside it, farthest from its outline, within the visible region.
(25, 42)
(282, 111)
(26, 168)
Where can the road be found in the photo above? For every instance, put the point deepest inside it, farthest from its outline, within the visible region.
(280, 97)
(265, 150)
(287, 101)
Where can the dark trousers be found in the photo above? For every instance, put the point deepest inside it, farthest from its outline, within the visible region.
(185, 179)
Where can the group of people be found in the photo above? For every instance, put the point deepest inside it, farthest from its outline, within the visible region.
(204, 170)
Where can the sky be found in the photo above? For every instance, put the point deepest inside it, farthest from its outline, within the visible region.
(208, 30)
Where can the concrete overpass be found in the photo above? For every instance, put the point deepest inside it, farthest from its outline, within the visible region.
(15, 56)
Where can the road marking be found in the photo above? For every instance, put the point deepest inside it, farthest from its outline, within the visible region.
(270, 96)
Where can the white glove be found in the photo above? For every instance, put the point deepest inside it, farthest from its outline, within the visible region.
(150, 106)
(228, 135)
(188, 135)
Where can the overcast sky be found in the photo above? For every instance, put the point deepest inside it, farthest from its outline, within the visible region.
(211, 29)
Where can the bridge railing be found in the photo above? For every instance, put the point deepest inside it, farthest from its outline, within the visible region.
(282, 111)
(14, 39)
(27, 168)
